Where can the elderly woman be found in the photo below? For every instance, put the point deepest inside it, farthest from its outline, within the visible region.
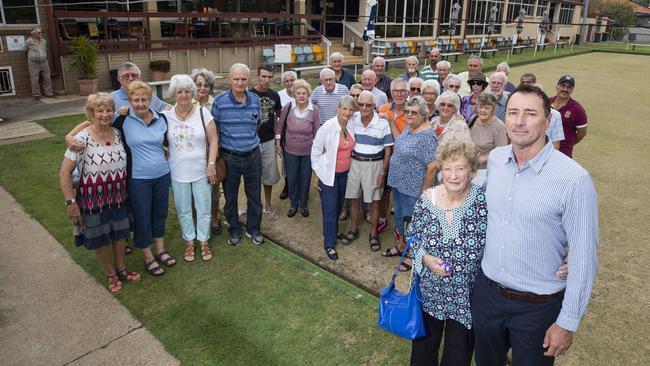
(414, 151)
(98, 204)
(415, 87)
(430, 91)
(452, 83)
(193, 142)
(477, 85)
(355, 91)
(286, 94)
(449, 222)
(294, 134)
(449, 122)
(331, 157)
(487, 132)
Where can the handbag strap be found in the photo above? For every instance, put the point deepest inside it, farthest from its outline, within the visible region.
(284, 125)
(205, 134)
(409, 240)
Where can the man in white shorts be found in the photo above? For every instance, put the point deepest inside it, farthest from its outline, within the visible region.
(370, 158)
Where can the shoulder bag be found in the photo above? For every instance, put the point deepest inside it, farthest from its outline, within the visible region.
(219, 164)
(400, 313)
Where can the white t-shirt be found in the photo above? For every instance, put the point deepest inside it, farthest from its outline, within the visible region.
(187, 145)
(285, 98)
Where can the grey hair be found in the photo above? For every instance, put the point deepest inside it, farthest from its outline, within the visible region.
(505, 67)
(206, 74)
(368, 93)
(36, 29)
(347, 101)
(356, 86)
(326, 70)
(415, 79)
(448, 96)
(411, 58)
(444, 63)
(238, 65)
(379, 59)
(301, 83)
(181, 82)
(475, 57)
(451, 77)
(127, 65)
(427, 84)
(420, 103)
(336, 56)
(500, 74)
(396, 81)
(289, 73)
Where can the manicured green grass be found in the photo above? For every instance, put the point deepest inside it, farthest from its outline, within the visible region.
(248, 306)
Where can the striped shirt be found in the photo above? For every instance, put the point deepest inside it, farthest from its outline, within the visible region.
(371, 140)
(328, 102)
(237, 122)
(536, 213)
(383, 84)
(428, 73)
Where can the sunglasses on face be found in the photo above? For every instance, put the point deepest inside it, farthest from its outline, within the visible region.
(410, 112)
(355, 95)
(199, 85)
(474, 83)
(447, 105)
(415, 90)
(365, 105)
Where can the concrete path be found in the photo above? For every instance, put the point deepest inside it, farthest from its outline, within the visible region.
(28, 109)
(53, 313)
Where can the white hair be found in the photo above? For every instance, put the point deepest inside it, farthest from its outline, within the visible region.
(451, 77)
(369, 72)
(504, 65)
(325, 71)
(206, 74)
(427, 84)
(239, 66)
(127, 65)
(368, 93)
(397, 81)
(415, 79)
(379, 59)
(336, 56)
(444, 63)
(474, 57)
(499, 74)
(289, 73)
(449, 96)
(181, 82)
(412, 58)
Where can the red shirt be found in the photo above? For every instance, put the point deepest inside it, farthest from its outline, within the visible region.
(573, 117)
(344, 153)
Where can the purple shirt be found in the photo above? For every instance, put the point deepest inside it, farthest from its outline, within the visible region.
(301, 129)
(573, 117)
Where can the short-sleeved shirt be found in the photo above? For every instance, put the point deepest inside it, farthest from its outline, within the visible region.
(121, 99)
(270, 105)
(36, 51)
(237, 121)
(408, 163)
(285, 98)
(145, 143)
(399, 119)
(328, 102)
(380, 97)
(371, 140)
(573, 117)
(346, 79)
(187, 145)
(488, 136)
(429, 73)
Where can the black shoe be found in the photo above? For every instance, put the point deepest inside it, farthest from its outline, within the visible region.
(292, 212)
(285, 193)
(331, 253)
(304, 212)
(234, 239)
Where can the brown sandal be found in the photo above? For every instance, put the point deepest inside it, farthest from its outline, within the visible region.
(189, 254)
(128, 276)
(206, 253)
(114, 284)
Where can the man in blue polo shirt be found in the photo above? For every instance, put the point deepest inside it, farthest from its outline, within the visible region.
(238, 116)
(127, 73)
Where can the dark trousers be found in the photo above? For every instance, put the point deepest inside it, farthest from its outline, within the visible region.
(459, 344)
(249, 167)
(501, 323)
(331, 201)
(299, 177)
(149, 204)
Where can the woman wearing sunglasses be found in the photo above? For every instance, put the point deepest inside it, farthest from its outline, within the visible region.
(449, 122)
(477, 85)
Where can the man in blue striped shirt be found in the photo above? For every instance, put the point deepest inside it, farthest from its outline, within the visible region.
(326, 96)
(238, 116)
(541, 205)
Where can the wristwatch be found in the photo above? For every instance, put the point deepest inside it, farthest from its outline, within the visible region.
(69, 202)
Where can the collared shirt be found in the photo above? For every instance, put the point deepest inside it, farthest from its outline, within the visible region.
(371, 139)
(207, 105)
(500, 112)
(237, 121)
(285, 98)
(398, 118)
(346, 79)
(555, 132)
(573, 117)
(300, 130)
(325, 148)
(429, 73)
(536, 213)
(36, 51)
(383, 84)
(328, 102)
(145, 144)
(406, 76)
(380, 97)
(121, 99)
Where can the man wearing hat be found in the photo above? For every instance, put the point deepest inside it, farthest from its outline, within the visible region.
(574, 117)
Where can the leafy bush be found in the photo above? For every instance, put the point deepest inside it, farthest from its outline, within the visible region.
(84, 57)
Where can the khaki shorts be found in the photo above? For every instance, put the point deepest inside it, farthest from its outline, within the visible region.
(270, 173)
(363, 177)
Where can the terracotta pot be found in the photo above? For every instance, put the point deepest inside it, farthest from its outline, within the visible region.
(87, 87)
(159, 75)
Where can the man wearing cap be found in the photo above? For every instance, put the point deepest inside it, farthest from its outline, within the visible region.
(430, 72)
(574, 117)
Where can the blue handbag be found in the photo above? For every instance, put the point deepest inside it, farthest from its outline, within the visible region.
(400, 313)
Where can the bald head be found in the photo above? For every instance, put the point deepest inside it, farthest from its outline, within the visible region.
(368, 79)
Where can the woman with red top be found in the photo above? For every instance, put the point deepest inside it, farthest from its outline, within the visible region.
(331, 155)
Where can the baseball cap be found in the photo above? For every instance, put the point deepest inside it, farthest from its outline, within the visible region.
(567, 79)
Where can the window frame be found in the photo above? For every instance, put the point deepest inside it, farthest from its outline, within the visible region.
(3, 17)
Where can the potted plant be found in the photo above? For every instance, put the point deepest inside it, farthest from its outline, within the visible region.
(159, 69)
(84, 61)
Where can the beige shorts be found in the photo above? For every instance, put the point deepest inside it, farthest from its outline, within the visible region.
(362, 177)
(270, 173)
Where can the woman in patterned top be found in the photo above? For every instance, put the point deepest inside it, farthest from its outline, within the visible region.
(449, 122)
(450, 221)
(97, 205)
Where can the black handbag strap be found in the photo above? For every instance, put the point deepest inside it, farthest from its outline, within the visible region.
(284, 125)
(409, 240)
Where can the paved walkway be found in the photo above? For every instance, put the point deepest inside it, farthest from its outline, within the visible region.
(28, 109)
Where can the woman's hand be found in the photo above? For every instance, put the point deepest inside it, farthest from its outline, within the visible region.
(123, 110)
(73, 212)
(211, 173)
(74, 144)
(278, 147)
(434, 264)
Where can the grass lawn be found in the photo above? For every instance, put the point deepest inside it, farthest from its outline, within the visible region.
(248, 306)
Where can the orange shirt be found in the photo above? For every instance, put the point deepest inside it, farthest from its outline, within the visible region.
(398, 118)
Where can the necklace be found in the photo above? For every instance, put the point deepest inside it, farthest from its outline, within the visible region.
(345, 137)
(102, 136)
(183, 117)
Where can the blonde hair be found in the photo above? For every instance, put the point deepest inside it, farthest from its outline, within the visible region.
(456, 147)
(300, 83)
(138, 86)
(96, 100)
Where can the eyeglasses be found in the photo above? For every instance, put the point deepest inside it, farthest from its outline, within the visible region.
(366, 105)
(429, 94)
(328, 80)
(446, 105)
(415, 90)
(129, 76)
(401, 91)
(411, 112)
(354, 95)
(199, 85)
(449, 86)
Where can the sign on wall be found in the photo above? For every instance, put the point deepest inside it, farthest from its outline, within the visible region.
(282, 53)
(15, 43)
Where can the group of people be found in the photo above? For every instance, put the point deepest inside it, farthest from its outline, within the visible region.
(494, 223)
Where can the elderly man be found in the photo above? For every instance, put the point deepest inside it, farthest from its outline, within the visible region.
(444, 69)
(383, 80)
(473, 69)
(367, 173)
(505, 68)
(369, 82)
(415, 87)
(288, 77)
(452, 83)
(39, 69)
(127, 73)
(411, 65)
(237, 114)
(574, 117)
(343, 76)
(270, 106)
(326, 96)
(430, 72)
(528, 79)
(498, 81)
(541, 204)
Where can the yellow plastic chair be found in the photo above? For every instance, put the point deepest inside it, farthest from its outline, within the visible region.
(318, 53)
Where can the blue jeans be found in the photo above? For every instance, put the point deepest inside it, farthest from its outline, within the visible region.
(331, 201)
(403, 204)
(249, 167)
(299, 177)
(200, 192)
(501, 323)
(149, 203)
